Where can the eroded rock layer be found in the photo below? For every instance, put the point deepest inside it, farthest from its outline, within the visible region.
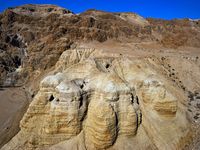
(100, 80)
(115, 97)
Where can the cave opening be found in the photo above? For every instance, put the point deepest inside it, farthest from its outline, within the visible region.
(51, 98)
(81, 101)
(81, 86)
(107, 66)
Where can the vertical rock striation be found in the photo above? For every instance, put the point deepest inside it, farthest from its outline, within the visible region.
(109, 100)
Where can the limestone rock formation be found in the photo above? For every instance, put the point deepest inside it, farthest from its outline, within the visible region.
(155, 94)
(106, 101)
(100, 80)
(40, 10)
(32, 37)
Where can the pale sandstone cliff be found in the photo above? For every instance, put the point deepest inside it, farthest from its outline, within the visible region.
(98, 101)
(100, 80)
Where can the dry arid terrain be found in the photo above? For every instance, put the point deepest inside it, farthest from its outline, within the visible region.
(98, 80)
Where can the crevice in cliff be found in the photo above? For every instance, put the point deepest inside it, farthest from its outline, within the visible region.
(51, 98)
(103, 64)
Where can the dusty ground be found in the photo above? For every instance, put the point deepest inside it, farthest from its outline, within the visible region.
(13, 104)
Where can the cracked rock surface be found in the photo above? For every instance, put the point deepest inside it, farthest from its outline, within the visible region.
(98, 80)
(113, 98)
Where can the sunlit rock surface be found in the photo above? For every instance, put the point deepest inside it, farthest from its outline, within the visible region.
(98, 80)
(114, 98)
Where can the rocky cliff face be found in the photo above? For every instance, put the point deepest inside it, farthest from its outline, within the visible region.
(102, 80)
(34, 36)
(112, 98)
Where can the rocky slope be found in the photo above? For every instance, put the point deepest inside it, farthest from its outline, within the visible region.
(102, 80)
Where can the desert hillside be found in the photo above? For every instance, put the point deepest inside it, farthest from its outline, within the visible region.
(98, 80)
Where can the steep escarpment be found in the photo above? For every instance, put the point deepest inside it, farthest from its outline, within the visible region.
(34, 36)
(99, 80)
(114, 97)
(177, 32)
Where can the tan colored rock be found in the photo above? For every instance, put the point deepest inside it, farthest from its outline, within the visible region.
(130, 92)
(162, 101)
(101, 126)
(113, 99)
(134, 19)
